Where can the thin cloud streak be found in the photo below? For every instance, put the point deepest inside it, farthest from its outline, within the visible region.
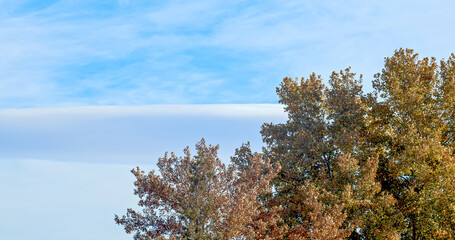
(222, 110)
(135, 134)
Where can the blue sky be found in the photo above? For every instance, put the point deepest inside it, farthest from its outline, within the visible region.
(90, 89)
(136, 52)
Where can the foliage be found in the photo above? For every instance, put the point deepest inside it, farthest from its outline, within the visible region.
(412, 129)
(327, 170)
(199, 198)
(382, 164)
(344, 165)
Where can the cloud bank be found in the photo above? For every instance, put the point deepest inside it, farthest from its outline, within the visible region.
(65, 172)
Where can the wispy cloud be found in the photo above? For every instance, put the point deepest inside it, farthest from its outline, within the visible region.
(70, 53)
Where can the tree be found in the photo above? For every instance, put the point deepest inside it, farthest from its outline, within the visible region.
(369, 166)
(412, 130)
(199, 198)
(327, 169)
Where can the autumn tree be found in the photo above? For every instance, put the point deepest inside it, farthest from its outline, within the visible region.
(328, 171)
(198, 197)
(412, 129)
(368, 166)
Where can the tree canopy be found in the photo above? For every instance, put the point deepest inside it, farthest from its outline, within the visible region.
(197, 197)
(345, 165)
(411, 129)
(322, 146)
(387, 157)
